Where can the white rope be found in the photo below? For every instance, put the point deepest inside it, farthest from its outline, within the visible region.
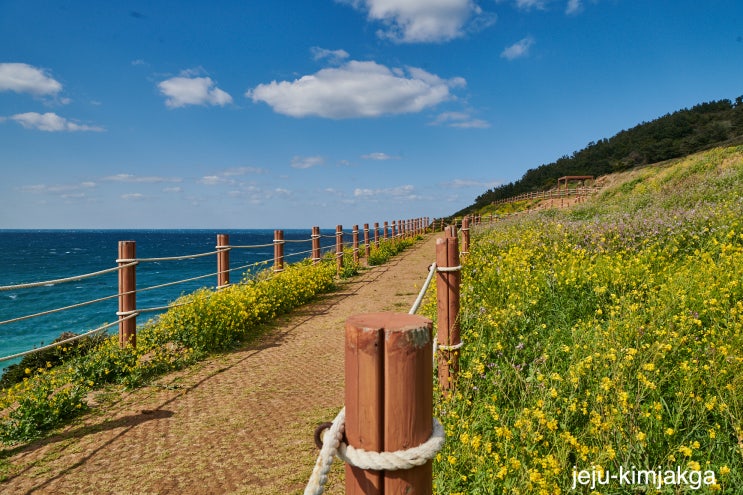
(449, 268)
(454, 347)
(253, 246)
(296, 240)
(379, 461)
(419, 299)
(57, 344)
(63, 280)
(168, 258)
(57, 310)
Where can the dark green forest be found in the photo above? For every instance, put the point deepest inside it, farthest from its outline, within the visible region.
(673, 135)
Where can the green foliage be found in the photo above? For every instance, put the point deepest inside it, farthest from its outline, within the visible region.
(31, 363)
(389, 248)
(604, 337)
(674, 135)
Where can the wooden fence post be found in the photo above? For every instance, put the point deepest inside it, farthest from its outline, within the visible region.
(223, 260)
(386, 228)
(127, 294)
(465, 236)
(447, 295)
(315, 245)
(355, 233)
(376, 234)
(278, 250)
(389, 397)
(367, 247)
(339, 247)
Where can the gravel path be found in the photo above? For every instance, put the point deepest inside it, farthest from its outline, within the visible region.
(239, 423)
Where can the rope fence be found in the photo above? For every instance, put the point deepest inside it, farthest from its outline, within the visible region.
(127, 264)
(401, 401)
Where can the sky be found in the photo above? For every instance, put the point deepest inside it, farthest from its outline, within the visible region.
(293, 113)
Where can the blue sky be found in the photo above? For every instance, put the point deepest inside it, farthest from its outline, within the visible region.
(293, 113)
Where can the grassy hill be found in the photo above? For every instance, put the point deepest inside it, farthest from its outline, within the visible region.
(673, 135)
(606, 337)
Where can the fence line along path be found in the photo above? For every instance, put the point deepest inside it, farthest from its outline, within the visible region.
(240, 423)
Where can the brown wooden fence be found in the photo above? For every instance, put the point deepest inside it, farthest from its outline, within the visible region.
(127, 260)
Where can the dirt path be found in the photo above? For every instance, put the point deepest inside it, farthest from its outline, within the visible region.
(240, 423)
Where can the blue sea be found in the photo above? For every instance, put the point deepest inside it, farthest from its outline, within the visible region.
(28, 256)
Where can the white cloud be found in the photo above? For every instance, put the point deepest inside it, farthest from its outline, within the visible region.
(132, 196)
(461, 120)
(307, 161)
(333, 56)
(175, 189)
(149, 179)
(531, 4)
(356, 89)
(379, 156)
(412, 21)
(574, 6)
(213, 180)
(399, 192)
(62, 189)
(237, 171)
(24, 78)
(519, 49)
(460, 183)
(51, 122)
(181, 91)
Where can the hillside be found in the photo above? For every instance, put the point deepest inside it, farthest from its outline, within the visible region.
(674, 135)
(605, 337)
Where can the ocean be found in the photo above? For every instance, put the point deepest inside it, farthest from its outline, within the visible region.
(28, 256)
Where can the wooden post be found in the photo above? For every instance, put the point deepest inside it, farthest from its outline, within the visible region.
(389, 397)
(355, 243)
(447, 295)
(223, 260)
(367, 247)
(386, 228)
(339, 247)
(376, 234)
(127, 294)
(315, 245)
(278, 250)
(465, 236)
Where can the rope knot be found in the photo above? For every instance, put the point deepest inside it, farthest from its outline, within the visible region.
(333, 446)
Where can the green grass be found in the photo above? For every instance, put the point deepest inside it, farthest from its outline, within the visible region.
(604, 337)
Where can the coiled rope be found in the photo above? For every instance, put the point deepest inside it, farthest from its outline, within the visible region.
(333, 446)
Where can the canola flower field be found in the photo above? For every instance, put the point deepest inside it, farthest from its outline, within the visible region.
(605, 338)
